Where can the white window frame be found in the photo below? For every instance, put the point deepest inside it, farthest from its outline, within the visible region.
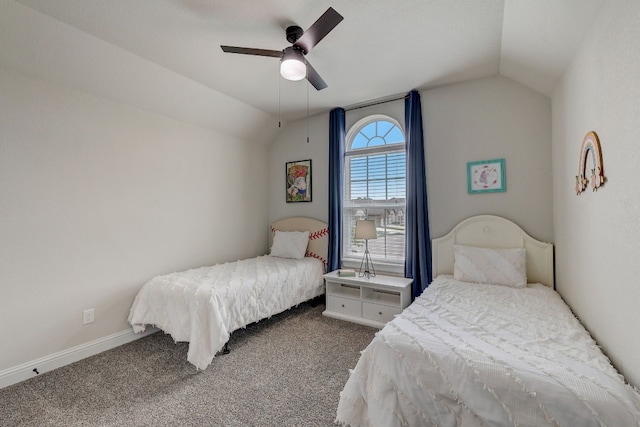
(351, 260)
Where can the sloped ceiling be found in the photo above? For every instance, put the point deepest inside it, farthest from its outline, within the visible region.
(165, 56)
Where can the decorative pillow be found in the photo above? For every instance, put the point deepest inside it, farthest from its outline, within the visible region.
(290, 244)
(507, 267)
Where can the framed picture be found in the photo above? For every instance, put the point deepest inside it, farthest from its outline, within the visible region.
(298, 176)
(486, 176)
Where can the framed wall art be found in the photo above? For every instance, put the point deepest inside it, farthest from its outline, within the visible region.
(298, 176)
(486, 176)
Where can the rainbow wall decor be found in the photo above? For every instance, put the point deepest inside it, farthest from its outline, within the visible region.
(590, 145)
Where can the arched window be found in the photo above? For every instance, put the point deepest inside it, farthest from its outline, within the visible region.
(375, 188)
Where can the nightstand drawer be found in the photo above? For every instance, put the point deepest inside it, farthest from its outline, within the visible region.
(346, 306)
(382, 313)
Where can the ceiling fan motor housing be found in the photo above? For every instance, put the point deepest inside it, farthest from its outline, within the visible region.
(294, 33)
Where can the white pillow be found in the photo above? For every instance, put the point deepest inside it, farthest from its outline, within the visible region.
(507, 267)
(290, 244)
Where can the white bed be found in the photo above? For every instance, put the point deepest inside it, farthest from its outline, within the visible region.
(203, 306)
(478, 354)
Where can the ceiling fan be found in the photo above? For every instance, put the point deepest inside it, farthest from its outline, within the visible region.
(293, 64)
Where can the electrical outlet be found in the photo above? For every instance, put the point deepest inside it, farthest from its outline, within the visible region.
(87, 316)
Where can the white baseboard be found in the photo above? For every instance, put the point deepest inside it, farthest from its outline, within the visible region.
(48, 363)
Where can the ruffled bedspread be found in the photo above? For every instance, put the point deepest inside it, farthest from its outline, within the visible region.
(484, 355)
(204, 305)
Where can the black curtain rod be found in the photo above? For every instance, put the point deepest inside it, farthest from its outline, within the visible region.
(371, 104)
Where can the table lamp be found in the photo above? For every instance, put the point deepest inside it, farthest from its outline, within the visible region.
(366, 229)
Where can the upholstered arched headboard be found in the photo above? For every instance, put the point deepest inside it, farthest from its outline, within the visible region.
(490, 231)
(318, 234)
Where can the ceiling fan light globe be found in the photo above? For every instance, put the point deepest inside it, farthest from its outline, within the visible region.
(293, 69)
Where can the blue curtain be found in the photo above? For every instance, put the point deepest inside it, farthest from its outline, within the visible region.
(337, 132)
(418, 244)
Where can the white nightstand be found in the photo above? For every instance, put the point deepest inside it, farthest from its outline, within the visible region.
(368, 301)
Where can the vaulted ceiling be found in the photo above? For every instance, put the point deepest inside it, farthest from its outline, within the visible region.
(381, 48)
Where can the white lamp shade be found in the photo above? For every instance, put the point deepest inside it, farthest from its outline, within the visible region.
(366, 229)
(292, 66)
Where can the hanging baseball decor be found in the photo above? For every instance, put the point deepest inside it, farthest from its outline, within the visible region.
(590, 145)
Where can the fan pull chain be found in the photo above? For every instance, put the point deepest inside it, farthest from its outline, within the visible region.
(279, 102)
(307, 69)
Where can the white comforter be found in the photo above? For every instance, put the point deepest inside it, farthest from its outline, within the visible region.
(484, 355)
(204, 305)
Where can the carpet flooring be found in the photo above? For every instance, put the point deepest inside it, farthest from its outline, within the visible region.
(284, 371)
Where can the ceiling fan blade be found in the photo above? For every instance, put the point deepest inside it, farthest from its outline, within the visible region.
(251, 51)
(314, 78)
(319, 30)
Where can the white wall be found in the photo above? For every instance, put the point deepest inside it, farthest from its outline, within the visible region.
(598, 234)
(487, 119)
(39, 46)
(477, 120)
(96, 198)
(291, 145)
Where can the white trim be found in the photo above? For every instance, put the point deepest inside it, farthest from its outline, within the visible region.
(348, 204)
(390, 269)
(353, 130)
(62, 358)
(390, 148)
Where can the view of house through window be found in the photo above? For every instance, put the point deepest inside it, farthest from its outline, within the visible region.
(375, 188)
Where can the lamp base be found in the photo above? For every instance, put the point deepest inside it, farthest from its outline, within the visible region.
(366, 266)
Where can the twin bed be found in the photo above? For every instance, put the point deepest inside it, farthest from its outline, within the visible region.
(203, 306)
(488, 343)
